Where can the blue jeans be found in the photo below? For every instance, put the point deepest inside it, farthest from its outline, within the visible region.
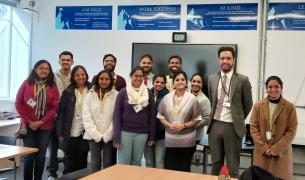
(37, 139)
(160, 153)
(132, 149)
(96, 154)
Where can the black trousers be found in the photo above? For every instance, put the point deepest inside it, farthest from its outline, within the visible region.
(76, 153)
(53, 148)
(179, 159)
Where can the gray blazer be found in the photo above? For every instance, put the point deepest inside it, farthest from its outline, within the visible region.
(241, 100)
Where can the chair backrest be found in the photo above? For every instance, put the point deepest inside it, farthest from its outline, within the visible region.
(8, 140)
(257, 173)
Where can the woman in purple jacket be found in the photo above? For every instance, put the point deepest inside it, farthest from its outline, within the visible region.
(36, 103)
(133, 120)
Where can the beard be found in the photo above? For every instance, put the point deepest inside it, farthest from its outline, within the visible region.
(109, 68)
(174, 69)
(147, 70)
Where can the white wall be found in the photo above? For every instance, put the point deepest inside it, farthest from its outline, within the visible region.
(89, 46)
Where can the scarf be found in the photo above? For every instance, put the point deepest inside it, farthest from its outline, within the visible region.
(139, 96)
(41, 99)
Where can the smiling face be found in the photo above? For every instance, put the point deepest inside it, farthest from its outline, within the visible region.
(180, 82)
(104, 81)
(146, 65)
(109, 63)
(226, 61)
(137, 78)
(159, 83)
(274, 90)
(65, 62)
(80, 77)
(174, 65)
(42, 71)
(196, 84)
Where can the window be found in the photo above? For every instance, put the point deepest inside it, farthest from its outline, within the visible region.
(15, 30)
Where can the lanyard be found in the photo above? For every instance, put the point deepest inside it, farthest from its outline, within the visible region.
(39, 89)
(223, 87)
(102, 97)
(79, 100)
(176, 108)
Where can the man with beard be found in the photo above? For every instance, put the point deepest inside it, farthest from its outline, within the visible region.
(62, 77)
(174, 65)
(231, 98)
(196, 89)
(109, 63)
(146, 64)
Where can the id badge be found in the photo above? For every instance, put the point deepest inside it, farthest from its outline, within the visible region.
(226, 104)
(137, 108)
(31, 103)
(268, 135)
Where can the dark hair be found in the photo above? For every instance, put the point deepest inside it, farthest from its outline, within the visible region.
(73, 82)
(148, 56)
(175, 56)
(159, 75)
(135, 69)
(221, 49)
(276, 78)
(50, 81)
(178, 73)
(96, 82)
(197, 74)
(107, 55)
(66, 53)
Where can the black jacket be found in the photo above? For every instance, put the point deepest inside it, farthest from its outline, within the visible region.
(66, 110)
(160, 130)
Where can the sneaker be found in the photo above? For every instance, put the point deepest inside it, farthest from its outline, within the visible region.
(51, 178)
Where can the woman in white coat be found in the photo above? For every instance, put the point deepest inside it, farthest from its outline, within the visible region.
(97, 119)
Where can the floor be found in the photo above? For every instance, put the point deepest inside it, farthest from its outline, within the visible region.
(196, 168)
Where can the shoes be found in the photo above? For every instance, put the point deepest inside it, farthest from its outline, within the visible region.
(51, 178)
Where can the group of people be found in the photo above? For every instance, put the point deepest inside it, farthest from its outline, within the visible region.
(160, 117)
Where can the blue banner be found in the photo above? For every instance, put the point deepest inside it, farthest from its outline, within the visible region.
(146, 17)
(222, 16)
(286, 16)
(84, 17)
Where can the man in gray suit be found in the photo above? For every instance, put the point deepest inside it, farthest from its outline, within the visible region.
(231, 100)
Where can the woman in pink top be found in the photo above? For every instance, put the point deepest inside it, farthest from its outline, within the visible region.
(36, 103)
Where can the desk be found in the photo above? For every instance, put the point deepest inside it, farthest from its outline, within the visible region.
(9, 128)
(8, 151)
(205, 143)
(125, 172)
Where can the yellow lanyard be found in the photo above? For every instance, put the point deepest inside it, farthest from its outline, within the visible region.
(175, 109)
(102, 98)
(79, 99)
(155, 96)
(39, 89)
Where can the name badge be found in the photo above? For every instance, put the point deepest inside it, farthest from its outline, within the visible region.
(268, 135)
(31, 103)
(137, 108)
(226, 104)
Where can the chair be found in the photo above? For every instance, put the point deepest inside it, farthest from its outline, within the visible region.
(257, 173)
(9, 140)
(76, 174)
